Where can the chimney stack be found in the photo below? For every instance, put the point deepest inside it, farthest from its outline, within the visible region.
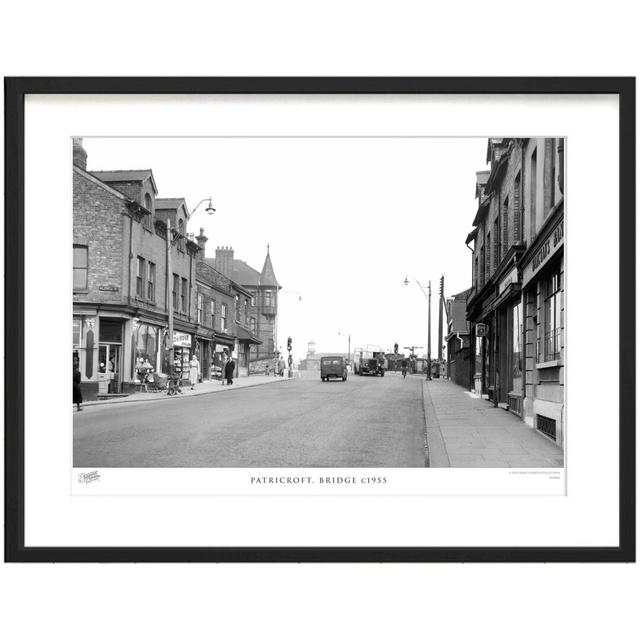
(202, 241)
(79, 154)
(224, 260)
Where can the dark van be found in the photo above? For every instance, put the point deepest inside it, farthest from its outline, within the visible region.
(333, 367)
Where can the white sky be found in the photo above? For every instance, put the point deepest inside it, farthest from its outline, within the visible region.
(346, 219)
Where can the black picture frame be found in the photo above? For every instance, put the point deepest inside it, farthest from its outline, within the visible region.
(15, 91)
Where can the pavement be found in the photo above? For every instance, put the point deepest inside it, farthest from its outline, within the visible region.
(208, 386)
(464, 430)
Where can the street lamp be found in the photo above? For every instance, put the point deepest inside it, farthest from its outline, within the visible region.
(209, 209)
(428, 297)
(170, 242)
(291, 291)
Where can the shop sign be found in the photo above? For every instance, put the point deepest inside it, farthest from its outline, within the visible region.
(510, 278)
(181, 339)
(548, 248)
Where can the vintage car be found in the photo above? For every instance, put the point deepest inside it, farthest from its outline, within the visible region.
(333, 367)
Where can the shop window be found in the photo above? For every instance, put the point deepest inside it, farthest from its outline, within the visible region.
(183, 296)
(80, 266)
(77, 332)
(516, 350)
(140, 277)
(151, 282)
(176, 290)
(200, 307)
(551, 290)
(146, 340)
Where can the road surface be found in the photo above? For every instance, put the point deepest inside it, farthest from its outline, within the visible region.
(363, 422)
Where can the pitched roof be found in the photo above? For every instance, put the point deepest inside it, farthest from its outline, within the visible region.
(247, 276)
(171, 203)
(462, 295)
(246, 336)
(135, 175)
(243, 274)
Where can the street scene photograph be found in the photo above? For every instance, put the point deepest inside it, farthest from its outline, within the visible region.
(331, 302)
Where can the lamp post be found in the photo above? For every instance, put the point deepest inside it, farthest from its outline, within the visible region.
(428, 297)
(171, 241)
(343, 333)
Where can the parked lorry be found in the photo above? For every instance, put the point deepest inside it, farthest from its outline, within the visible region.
(369, 363)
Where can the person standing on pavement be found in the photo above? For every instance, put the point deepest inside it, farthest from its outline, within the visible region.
(281, 366)
(228, 370)
(194, 371)
(77, 392)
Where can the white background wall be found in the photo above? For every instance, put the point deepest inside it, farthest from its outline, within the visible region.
(283, 38)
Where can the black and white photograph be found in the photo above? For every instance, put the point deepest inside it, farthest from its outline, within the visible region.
(340, 302)
(342, 316)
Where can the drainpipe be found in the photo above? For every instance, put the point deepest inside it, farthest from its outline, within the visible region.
(561, 165)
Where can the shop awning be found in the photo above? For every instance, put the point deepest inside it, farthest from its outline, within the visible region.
(224, 338)
(246, 336)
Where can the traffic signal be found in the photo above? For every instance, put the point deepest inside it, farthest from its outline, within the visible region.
(289, 347)
(395, 348)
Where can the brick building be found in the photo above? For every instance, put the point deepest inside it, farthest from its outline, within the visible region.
(257, 312)
(223, 316)
(458, 340)
(516, 305)
(120, 282)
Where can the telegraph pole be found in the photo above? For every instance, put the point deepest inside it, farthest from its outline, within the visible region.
(440, 308)
(429, 337)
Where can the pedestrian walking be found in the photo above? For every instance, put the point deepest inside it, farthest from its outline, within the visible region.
(228, 370)
(194, 371)
(77, 392)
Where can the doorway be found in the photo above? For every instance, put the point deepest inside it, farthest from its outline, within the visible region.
(110, 362)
